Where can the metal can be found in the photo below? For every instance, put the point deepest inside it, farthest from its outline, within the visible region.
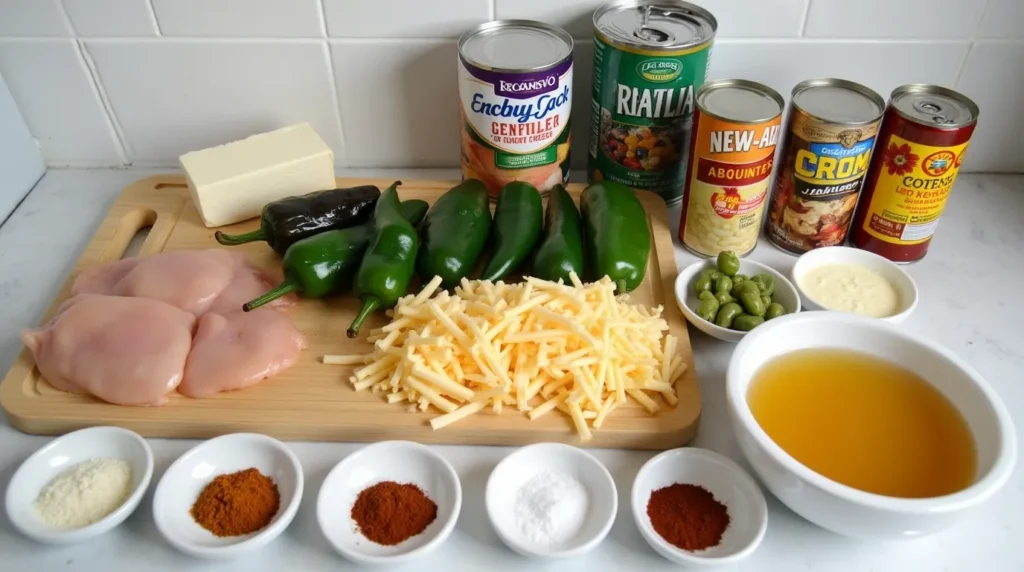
(732, 152)
(830, 136)
(649, 58)
(923, 140)
(515, 89)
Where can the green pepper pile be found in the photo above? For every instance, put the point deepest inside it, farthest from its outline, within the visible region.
(732, 300)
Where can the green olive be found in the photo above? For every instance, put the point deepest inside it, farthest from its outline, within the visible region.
(707, 309)
(739, 278)
(703, 283)
(714, 274)
(766, 299)
(774, 311)
(746, 323)
(766, 282)
(723, 284)
(727, 313)
(724, 298)
(728, 263)
(752, 303)
(745, 286)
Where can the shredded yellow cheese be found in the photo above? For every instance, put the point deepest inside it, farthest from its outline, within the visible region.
(536, 347)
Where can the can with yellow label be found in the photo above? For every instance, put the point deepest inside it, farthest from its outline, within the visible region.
(732, 150)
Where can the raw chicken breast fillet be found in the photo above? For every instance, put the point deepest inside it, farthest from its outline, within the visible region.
(197, 281)
(129, 351)
(239, 349)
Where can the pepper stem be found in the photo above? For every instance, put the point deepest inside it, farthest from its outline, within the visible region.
(287, 287)
(234, 239)
(620, 287)
(370, 303)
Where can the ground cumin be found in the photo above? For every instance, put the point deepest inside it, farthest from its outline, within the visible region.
(389, 513)
(236, 504)
(688, 516)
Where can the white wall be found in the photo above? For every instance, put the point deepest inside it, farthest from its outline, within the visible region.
(116, 82)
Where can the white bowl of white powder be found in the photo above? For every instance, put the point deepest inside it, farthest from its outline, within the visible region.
(551, 500)
(81, 485)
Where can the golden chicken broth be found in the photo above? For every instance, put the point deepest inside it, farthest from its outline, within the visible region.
(864, 422)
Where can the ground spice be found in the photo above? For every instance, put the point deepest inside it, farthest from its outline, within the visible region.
(388, 513)
(688, 516)
(238, 503)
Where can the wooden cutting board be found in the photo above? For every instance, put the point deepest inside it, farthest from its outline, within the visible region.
(313, 401)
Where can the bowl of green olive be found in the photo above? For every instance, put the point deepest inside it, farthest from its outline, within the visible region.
(727, 296)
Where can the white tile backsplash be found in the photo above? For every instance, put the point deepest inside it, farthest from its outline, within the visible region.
(404, 18)
(240, 18)
(52, 88)
(174, 96)
(32, 18)
(92, 18)
(897, 19)
(377, 80)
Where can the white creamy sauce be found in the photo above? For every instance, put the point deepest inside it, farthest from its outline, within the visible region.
(851, 288)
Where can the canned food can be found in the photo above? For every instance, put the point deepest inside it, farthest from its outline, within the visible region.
(515, 91)
(732, 152)
(924, 137)
(649, 58)
(829, 138)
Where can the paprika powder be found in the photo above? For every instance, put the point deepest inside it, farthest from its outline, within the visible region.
(389, 513)
(237, 503)
(687, 516)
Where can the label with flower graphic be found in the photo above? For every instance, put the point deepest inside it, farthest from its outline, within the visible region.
(911, 191)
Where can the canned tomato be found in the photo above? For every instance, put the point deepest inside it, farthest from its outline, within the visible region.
(515, 87)
(923, 140)
(732, 152)
(829, 138)
(649, 57)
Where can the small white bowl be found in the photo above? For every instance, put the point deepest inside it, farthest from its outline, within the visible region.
(785, 293)
(60, 454)
(188, 476)
(846, 255)
(719, 475)
(524, 464)
(844, 509)
(401, 462)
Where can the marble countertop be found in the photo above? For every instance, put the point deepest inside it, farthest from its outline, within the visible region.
(968, 303)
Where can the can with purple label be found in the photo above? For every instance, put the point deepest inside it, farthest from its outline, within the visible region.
(515, 91)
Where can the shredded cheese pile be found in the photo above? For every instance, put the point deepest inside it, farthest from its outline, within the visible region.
(536, 346)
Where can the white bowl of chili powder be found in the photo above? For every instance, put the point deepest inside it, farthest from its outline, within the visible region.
(389, 502)
(698, 508)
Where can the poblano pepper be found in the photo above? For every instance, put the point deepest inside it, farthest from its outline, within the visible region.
(518, 218)
(454, 233)
(618, 240)
(561, 247)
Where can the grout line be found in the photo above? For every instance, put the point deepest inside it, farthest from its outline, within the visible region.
(334, 86)
(806, 17)
(963, 66)
(152, 14)
(322, 13)
(112, 122)
(986, 5)
(67, 20)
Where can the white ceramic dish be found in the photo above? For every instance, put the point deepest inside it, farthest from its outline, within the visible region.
(401, 462)
(186, 477)
(844, 255)
(731, 485)
(785, 293)
(843, 509)
(63, 452)
(524, 464)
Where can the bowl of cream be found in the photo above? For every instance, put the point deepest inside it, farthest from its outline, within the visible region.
(854, 281)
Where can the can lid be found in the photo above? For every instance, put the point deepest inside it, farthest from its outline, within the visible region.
(515, 46)
(838, 101)
(740, 100)
(667, 24)
(935, 106)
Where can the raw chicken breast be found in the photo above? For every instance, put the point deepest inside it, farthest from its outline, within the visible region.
(196, 281)
(129, 351)
(239, 349)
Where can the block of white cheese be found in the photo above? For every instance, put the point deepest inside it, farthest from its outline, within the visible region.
(231, 183)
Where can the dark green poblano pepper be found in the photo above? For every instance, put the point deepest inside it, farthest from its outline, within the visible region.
(618, 240)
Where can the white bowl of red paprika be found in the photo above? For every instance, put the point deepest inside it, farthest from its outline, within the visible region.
(698, 508)
(389, 502)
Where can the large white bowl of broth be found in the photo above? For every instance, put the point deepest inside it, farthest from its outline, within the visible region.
(865, 429)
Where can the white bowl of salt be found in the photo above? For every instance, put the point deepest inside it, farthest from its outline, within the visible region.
(551, 500)
(80, 486)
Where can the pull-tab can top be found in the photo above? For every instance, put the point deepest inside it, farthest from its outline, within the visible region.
(934, 106)
(664, 24)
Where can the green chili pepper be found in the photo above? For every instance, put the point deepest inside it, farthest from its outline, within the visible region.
(561, 249)
(454, 233)
(324, 264)
(618, 240)
(390, 259)
(289, 220)
(517, 225)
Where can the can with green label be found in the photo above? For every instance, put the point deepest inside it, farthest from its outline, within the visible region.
(650, 56)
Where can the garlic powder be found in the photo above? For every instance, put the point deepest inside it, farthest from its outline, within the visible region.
(84, 493)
